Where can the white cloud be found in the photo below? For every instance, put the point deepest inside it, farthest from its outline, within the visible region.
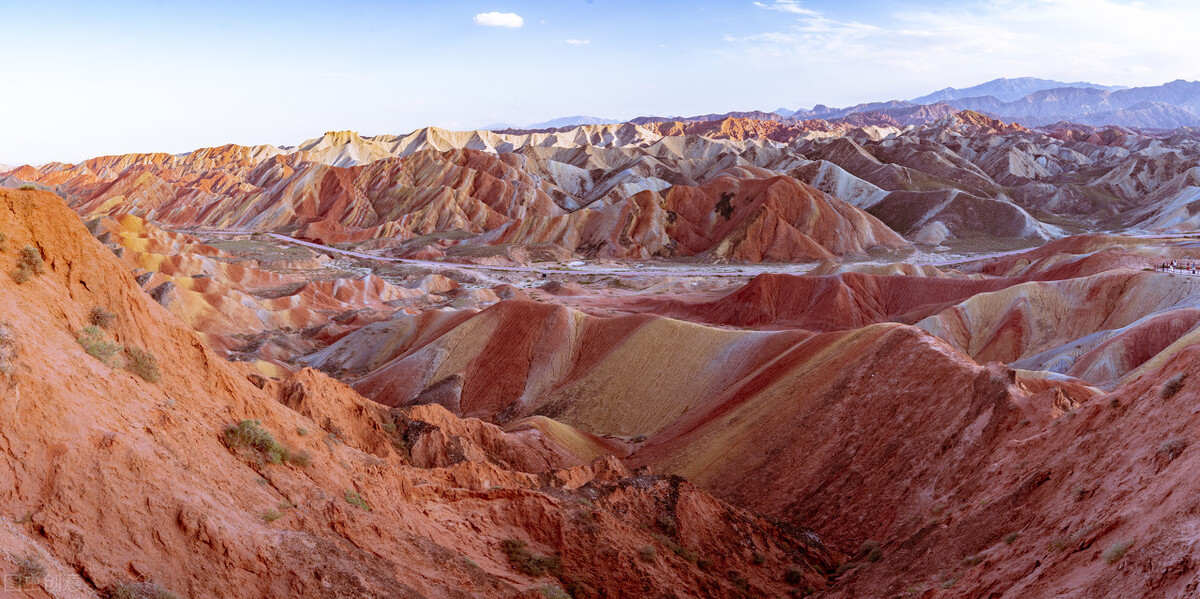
(1104, 41)
(579, 42)
(499, 19)
(789, 6)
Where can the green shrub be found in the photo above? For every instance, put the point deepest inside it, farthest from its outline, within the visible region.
(136, 590)
(1171, 448)
(29, 264)
(971, 560)
(843, 568)
(871, 551)
(29, 570)
(647, 553)
(667, 523)
(143, 364)
(1116, 551)
(8, 349)
(1172, 386)
(794, 576)
(356, 500)
(738, 580)
(686, 553)
(1009, 538)
(271, 516)
(96, 343)
(101, 317)
(28, 187)
(301, 458)
(529, 563)
(249, 436)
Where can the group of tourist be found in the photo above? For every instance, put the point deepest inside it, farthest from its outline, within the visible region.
(1186, 267)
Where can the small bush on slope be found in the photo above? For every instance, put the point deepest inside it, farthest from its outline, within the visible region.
(528, 563)
(101, 317)
(8, 349)
(143, 364)
(137, 590)
(97, 345)
(29, 571)
(357, 500)
(1117, 551)
(29, 264)
(249, 436)
(1172, 386)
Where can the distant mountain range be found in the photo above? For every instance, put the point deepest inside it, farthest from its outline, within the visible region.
(1006, 90)
(1166, 106)
(566, 121)
(1029, 101)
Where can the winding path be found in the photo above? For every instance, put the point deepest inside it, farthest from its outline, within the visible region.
(682, 271)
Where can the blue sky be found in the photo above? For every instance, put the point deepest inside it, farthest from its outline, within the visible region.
(91, 78)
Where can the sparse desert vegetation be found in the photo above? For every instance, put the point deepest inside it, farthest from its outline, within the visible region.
(249, 438)
(1116, 551)
(97, 345)
(9, 349)
(101, 317)
(29, 570)
(353, 498)
(527, 562)
(137, 590)
(29, 265)
(143, 364)
(1172, 385)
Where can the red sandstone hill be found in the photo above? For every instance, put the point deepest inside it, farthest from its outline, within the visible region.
(1075, 307)
(830, 302)
(742, 215)
(956, 177)
(112, 477)
(977, 485)
(940, 476)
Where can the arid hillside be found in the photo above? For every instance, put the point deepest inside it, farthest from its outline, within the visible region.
(133, 455)
(915, 352)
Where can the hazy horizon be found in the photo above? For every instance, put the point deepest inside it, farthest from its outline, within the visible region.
(146, 76)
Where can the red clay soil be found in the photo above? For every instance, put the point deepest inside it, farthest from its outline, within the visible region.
(520, 358)
(981, 484)
(110, 477)
(831, 302)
